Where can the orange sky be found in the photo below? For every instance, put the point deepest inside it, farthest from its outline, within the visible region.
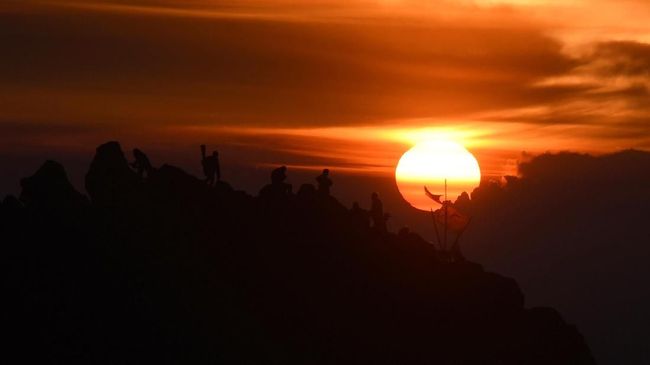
(349, 83)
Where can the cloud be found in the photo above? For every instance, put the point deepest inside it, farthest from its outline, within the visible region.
(573, 232)
(551, 77)
(607, 103)
(620, 58)
(274, 72)
(151, 72)
(118, 66)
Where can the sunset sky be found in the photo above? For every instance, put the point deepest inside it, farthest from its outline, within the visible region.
(350, 84)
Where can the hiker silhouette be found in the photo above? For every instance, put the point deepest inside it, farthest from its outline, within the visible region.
(377, 214)
(278, 176)
(211, 168)
(324, 183)
(141, 164)
(278, 189)
(404, 232)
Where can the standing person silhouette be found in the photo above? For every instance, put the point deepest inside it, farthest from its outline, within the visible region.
(324, 183)
(141, 164)
(377, 213)
(211, 168)
(278, 176)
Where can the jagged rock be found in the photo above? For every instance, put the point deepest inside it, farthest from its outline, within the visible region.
(12, 210)
(110, 181)
(11, 203)
(49, 188)
(174, 186)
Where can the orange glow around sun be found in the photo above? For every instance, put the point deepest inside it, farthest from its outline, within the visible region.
(430, 163)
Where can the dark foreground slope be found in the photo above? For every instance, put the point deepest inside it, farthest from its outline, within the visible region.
(169, 270)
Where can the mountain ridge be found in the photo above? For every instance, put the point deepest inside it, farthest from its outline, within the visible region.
(172, 270)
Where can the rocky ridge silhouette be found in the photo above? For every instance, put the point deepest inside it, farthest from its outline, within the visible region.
(170, 270)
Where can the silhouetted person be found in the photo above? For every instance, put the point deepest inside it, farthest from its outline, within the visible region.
(211, 168)
(141, 164)
(377, 213)
(359, 217)
(404, 232)
(324, 182)
(278, 176)
(278, 190)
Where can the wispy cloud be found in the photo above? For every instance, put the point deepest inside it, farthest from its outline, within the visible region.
(515, 71)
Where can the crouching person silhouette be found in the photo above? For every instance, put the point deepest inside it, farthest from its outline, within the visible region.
(324, 183)
(278, 176)
(141, 164)
(278, 189)
(211, 168)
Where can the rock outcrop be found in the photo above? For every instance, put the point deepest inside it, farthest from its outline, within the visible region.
(169, 270)
(110, 181)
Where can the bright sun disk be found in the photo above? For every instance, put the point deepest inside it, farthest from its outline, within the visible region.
(430, 163)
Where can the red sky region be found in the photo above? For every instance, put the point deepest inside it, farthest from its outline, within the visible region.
(347, 84)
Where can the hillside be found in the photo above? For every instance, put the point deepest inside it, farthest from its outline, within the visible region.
(170, 270)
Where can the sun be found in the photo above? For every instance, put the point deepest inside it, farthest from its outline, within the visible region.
(428, 164)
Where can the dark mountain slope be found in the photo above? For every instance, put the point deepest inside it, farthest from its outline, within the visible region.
(170, 270)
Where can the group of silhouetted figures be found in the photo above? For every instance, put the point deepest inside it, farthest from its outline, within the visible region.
(155, 265)
(361, 217)
(278, 187)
